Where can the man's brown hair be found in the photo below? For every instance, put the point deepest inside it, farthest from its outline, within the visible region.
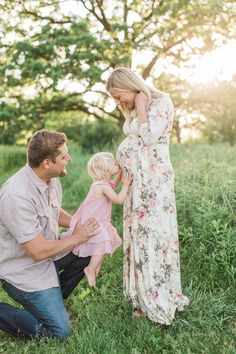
(43, 145)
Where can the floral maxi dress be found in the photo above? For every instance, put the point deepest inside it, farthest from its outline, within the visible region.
(151, 248)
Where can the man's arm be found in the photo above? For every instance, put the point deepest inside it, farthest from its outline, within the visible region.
(40, 249)
(64, 218)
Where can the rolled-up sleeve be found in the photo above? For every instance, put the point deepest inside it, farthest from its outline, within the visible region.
(20, 217)
(153, 129)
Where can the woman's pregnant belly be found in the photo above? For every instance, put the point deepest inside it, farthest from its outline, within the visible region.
(127, 154)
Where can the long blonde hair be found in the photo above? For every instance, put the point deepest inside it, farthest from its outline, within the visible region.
(98, 165)
(124, 79)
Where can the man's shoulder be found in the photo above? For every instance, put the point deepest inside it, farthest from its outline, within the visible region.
(18, 184)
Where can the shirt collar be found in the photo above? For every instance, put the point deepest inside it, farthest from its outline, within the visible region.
(38, 182)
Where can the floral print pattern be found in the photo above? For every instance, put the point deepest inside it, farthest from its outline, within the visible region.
(151, 247)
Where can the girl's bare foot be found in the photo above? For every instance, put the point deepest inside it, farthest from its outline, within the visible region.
(138, 313)
(97, 270)
(99, 265)
(91, 276)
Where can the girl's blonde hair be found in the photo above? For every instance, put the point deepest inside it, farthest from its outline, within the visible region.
(98, 165)
(124, 79)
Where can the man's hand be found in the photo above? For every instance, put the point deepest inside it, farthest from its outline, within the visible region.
(39, 248)
(84, 232)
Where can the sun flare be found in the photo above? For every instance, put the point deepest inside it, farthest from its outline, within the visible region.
(218, 64)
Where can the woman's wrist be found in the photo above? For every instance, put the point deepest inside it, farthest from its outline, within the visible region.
(142, 118)
(141, 114)
(140, 108)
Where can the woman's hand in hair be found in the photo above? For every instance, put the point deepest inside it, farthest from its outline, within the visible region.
(141, 100)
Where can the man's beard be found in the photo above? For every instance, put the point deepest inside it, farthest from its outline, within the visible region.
(63, 173)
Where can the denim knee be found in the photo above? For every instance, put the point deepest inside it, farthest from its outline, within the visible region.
(62, 331)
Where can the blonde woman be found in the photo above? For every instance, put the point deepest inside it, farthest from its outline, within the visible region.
(98, 204)
(151, 248)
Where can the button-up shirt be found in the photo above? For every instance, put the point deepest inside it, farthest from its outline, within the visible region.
(28, 207)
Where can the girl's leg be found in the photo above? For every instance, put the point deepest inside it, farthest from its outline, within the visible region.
(91, 270)
(99, 265)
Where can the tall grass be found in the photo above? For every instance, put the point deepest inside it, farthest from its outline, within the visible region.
(11, 157)
(102, 319)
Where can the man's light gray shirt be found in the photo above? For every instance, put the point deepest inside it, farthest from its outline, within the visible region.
(28, 207)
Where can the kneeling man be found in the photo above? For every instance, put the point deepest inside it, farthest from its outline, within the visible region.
(37, 269)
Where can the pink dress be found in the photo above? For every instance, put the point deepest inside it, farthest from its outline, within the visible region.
(108, 240)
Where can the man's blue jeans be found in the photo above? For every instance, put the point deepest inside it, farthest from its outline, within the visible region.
(43, 313)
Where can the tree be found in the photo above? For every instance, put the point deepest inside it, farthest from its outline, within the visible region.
(45, 50)
(218, 103)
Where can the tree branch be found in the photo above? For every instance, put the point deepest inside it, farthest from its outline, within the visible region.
(148, 69)
(103, 19)
(148, 17)
(101, 109)
(54, 105)
(105, 23)
(48, 18)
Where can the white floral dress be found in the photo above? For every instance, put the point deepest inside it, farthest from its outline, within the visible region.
(151, 248)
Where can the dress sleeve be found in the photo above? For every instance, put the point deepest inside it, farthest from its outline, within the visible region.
(159, 120)
(126, 128)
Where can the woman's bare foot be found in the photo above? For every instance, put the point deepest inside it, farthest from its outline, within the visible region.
(91, 276)
(138, 313)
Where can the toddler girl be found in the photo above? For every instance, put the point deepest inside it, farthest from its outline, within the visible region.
(98, 204)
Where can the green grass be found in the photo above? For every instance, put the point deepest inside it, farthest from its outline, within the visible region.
(102, 320)
(11, 157)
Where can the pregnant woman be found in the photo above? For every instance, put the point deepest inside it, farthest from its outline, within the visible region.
(151, 248)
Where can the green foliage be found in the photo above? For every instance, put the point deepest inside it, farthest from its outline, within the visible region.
(62, 120)
(73, 132)
(11, 157)
(43, 48)
(102, 319)
(8, 125)
(218, 103)
(95, 136)
(207, 217)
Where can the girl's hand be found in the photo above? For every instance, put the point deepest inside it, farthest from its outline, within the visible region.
(141, 100)
(117, 179)
(119, 175)
(126, 178)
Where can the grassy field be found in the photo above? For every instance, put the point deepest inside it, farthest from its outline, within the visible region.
(102, 319)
